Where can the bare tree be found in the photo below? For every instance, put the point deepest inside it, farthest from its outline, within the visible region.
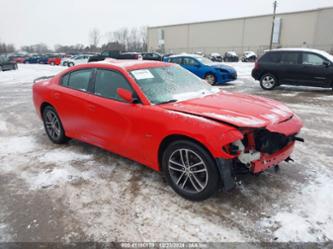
(95, 37)
(121, 36)
(36, 48)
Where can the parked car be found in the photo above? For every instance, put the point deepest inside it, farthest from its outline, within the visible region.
(212, 72)
(165, 56)
(231, 56)
(249, 56)
(165, 117)
(116, 55)
(43, 59)
(216, 57)
(32, 59)
(294, 66)
(153, 56)
(54, 60)
(7, 64)
(17, 59)
(76, 60)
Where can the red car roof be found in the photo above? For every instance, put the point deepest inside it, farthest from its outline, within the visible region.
(134, 64)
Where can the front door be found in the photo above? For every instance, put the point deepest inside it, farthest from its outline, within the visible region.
(316, 70)
(115, 124)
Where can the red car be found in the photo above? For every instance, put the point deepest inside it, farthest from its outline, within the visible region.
(54, 61)
(165, 117)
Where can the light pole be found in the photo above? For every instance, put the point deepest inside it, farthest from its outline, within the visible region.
(274, 14)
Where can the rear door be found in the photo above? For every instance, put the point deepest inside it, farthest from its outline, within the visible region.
(70, 102)
(290, 68)
(314, 72)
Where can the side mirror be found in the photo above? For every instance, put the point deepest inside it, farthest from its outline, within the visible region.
(126, 95)
(326, 64)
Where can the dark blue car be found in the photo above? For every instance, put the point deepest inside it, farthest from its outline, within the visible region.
(40, 59)
(212, 72)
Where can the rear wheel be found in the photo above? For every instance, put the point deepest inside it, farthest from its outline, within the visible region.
(268, 82)
(190, 170)
(70, 64)
(53, 126)
(210, 78)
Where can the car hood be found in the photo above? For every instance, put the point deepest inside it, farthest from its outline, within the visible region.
(235, 109)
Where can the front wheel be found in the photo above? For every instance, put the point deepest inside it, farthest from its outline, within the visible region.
(210, 78)
(190, 170)
(268, 82)
(53, 126)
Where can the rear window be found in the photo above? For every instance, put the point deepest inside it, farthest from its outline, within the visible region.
(78, 80)
(177, 60)
(271, 57)
(290, 58)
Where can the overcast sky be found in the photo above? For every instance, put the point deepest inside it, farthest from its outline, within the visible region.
(26, 22)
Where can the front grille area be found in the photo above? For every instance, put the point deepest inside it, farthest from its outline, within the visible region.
(270, 142)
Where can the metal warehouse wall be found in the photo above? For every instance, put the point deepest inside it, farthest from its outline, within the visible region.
(313, 28)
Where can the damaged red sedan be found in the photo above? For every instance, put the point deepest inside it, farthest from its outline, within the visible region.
(163, 116)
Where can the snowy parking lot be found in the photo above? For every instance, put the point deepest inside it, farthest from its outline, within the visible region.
(78, 192)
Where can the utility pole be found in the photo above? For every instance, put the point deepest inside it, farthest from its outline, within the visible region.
(274, 14)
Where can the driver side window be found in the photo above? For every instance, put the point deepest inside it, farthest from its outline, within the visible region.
(107, 83)
(312, 59)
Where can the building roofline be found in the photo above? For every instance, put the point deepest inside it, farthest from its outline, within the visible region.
(239, 18)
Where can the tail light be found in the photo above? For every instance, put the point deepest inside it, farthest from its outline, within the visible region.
(256, 65)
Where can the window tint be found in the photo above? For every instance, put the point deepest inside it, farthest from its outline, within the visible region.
(290, 58)
(177, 60)
(312, 59)
(79, 79)
(107, 83)
(190, 61)
(64, 80)
(273, 57)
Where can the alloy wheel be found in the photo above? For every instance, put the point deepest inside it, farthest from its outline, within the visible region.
(52, 124)
(210, 79)
(268, 82)
(188, 171)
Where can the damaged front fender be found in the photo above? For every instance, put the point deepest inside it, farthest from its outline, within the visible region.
(289, 127)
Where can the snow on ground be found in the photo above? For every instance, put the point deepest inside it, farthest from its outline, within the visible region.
(78, 192)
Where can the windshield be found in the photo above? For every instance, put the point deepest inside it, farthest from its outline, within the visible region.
(204, 60)
(170, 84)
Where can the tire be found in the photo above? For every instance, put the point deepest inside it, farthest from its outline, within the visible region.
(268, 81)
(53, 126)
(70, 64)
(210, 78)
(180, 172)
(52, 63)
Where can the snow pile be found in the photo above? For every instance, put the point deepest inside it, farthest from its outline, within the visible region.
(311, 217)
(59, 156)
(27, 73)
(17, 145)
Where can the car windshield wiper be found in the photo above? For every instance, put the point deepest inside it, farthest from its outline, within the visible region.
(168, 101)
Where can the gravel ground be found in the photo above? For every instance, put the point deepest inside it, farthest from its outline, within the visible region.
(78, 192)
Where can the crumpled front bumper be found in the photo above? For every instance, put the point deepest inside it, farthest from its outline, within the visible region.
(267, 161)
